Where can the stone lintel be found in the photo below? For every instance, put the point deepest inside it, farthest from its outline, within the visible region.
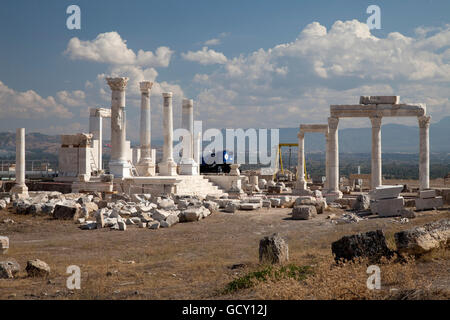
(322, 128)
(378, 110)
(100, 112)
(379, 100)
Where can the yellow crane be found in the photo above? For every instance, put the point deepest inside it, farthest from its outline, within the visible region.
(280, 160)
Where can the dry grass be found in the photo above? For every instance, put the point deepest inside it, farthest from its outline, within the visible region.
(193, 260)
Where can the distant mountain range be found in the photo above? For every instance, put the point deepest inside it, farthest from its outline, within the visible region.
(395, 138)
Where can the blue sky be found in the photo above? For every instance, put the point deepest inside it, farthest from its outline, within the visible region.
(245, 63)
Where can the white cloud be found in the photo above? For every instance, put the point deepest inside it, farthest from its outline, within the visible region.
(110, 48)
(212, 42)
(29, 105)
(72, 99)
(205, 56)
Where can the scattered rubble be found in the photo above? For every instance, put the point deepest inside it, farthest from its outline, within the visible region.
(4, 244)
(9, 268)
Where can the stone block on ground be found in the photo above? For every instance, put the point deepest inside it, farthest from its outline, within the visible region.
(371, 245)
(67, 212)
(420, 240)
(193, 214)
(231, 207)
(426, 194)
(273, 250)
(385, 192)
(8, 269)
(153, 225)
(388, 207)
(160, 214)
(304, 212)
(249, 206)
(362, 202)
(4, 244)
(37, 268)
(170, 221)
(429, 203)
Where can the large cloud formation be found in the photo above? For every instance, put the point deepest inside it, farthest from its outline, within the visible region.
(296, 82)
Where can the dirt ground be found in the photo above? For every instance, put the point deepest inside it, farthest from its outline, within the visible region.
(186, 261)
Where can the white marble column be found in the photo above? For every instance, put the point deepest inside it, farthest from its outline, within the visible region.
(197, 150)
(118, 165)
(20, 189)
(96, 127)
(187, 164)
(168, 167)
(333, 157)
(301, 182)
(376, 175)
(146, 166)
(326, 185)
(424, 156)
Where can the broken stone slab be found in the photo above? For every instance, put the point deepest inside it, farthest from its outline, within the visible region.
(388, 207)
(128, 222)
(231, 207)
(9, 268)
(166, 204)
(420, 240)
(362, 202)
(90, 207)
(67, 212)
(371, 245)
(321, 205)
(427, 194)
(3, 204)
(385, 192)
(379, 100)
(89, 225)
(266, 204)
(429, 203)
(193, 214)
(170, 221)
(275, 202)
(304, 212)
(249, 206)
(211, 206)
(273, 250)
(160, 214)
(4, 244)
(122, 225)
(37, 268)
(304, 200)
(153, 225)
(142, 224)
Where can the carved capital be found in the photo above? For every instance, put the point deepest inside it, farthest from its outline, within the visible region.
(301, 135)
(424, 121)
(117, 84)
(376, 121)
(145, 86)
(333, 123)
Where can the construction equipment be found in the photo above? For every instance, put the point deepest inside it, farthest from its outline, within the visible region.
(280, 158)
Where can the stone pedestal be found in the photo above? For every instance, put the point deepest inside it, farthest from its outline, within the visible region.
(424, 158)
(20, 190)
(168, 167)
(118, 165)
(146, 165)
(388, 207)
(376, 152)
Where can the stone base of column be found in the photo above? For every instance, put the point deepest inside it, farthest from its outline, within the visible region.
(189, 167)
(120, 169)
(19, 191)
(168, 168)
(331, 195)
(146, 169)
(234, 171)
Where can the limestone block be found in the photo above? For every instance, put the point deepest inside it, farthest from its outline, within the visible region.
(160, 214)
(8, 269)
(193, 214)
(304, 212)
(385, 192)
(170, 221)
(362, 202)
(4, 244)
(37, 268)
(429, 203)
(388, 207)
(122, 225)
(427, 194)
(67, 212)
(273, 249)
(422, 239)
(249, 206)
